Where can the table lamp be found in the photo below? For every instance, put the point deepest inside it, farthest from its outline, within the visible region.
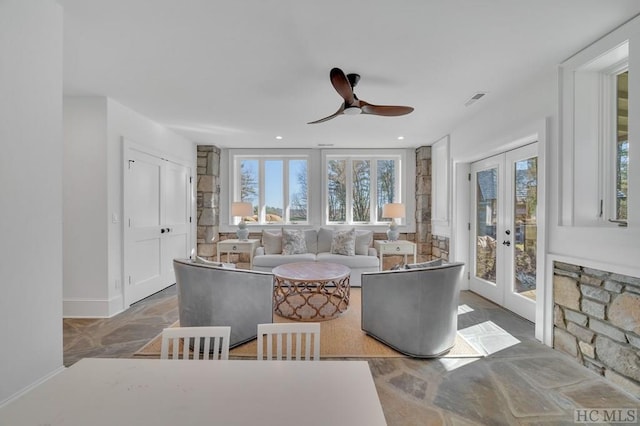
(393, 211)
(242, 210)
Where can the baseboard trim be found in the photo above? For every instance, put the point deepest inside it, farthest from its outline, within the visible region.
(91, 308)
(31, 386)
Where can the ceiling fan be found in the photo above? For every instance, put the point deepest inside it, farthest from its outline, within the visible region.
(344, 85)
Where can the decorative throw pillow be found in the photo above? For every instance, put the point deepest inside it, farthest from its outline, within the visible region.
(364, 240)
(293, 242)
(344, 242)
(397, 267)
(325, 236)
(272, 242)
(430, 264)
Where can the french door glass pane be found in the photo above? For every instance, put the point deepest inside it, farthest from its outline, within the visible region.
(526, 229)
(298, 190)
(337, 190)
(361, 190)
(486, 220)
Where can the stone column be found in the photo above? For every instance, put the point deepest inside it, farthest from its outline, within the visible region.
(423, 203)
(208, 200)
(429, 246)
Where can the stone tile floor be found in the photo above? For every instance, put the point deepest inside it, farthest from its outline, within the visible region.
(519, 382)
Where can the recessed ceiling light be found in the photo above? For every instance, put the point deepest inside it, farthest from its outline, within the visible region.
(278, 137)
(400, 138)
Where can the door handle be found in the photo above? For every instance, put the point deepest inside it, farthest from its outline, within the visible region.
(506, 243)
(162, 231)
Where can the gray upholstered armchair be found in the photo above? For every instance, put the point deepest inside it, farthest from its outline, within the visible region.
(210, 295)
(415, 311)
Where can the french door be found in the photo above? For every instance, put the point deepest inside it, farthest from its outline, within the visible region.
(504, 231)
(157, 208)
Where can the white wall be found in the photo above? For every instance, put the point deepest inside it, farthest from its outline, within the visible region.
(501, 125)
(94, 129)
(31, 193)
(504, 122)
(85, 203)
(124, 122)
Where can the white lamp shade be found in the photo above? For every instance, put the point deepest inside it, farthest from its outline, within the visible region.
(393, 210)
(241, 209)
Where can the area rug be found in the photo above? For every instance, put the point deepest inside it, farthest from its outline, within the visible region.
(339, 338)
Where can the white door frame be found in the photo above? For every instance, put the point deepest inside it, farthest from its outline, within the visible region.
(502, 291)
(534, 131)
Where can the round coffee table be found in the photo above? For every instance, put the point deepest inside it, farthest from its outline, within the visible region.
(311, 291)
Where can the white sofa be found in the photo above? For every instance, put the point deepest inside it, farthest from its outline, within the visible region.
(318, 249)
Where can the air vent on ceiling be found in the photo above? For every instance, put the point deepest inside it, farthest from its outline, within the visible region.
(477, 96)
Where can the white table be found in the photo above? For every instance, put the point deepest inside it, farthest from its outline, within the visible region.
(394, 248)
(165, 392)
(238, 246)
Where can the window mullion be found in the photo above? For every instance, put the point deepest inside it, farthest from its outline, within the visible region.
(397, 165)
(373, 190)
(261, 197)
(285, 189)
(349, 190)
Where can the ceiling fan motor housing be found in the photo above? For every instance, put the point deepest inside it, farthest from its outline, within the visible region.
(353, 79)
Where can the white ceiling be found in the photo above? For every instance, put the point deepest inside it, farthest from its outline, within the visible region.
(236, 73)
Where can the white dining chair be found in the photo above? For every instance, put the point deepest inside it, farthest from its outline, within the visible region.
(301, 334)
(190, 338)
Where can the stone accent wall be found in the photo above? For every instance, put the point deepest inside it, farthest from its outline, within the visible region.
(597, 321)
(208, 200)
(440, 247)
(429, 246)
(423, 203)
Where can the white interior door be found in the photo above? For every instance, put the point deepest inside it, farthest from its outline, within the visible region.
(176, 217)
(157, 211)
(504, 229)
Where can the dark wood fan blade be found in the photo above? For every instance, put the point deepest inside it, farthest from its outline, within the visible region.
(385, 110)
(342, 85)
(334, 115)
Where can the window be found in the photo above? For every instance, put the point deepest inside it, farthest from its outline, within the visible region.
(358, 187)
(275, 186)
(615, 144)
(621, 187)
(595, 135)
